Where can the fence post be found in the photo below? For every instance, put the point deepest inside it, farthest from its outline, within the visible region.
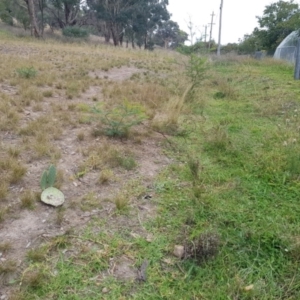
(297, 64)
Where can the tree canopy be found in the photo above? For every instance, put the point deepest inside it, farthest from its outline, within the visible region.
(140, 22)
(278, 20)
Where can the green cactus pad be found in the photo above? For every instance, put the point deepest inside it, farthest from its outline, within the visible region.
(53, 196)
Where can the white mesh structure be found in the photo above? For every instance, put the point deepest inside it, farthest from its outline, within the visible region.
(287, 48)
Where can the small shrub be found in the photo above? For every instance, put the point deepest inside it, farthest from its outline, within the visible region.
(118, 121)
(75, 32)
(219, 95)
(27, 72)
(196, 70)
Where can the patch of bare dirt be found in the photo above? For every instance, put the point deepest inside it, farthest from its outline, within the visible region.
(20, 51)
(8, 89)
(116, 74)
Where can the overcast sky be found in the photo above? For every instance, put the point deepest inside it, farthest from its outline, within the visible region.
(238, 16)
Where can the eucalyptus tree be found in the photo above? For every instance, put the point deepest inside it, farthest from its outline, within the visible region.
(114, 14)
(137, 19)
(149, 16)
(32, 16)
(11, 10)
(167, 34)
(64, 12)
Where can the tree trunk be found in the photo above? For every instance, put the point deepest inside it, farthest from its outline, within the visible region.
(121, 38)
(107, 37)
(166, 44)
(32, 16)
(41, 6)
(114, 33)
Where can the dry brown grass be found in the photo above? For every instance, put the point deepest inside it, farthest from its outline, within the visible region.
(47, 118)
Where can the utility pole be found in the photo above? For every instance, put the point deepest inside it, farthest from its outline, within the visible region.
(205, 35)
(220, 29)
(211, 28)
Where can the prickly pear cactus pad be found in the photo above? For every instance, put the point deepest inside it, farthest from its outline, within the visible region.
(52, 196)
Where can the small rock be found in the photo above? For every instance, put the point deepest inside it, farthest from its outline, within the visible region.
(3, 297)
(105, 290)
(149, 238)
(135, 235)
(249, 287)
(178, 251)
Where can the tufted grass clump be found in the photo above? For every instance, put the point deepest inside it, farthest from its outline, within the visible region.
(27, 72)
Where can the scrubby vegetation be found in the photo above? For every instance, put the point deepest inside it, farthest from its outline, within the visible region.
(202, 157)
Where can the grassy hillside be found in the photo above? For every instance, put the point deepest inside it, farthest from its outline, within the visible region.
(156, 155)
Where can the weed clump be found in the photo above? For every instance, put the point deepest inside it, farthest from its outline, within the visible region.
(7, 267)
(194, 166)
(203, 248)
(27, 200)
(4, 247)
(121, 202)
(34, 277)
(27, 72)
(117, 122)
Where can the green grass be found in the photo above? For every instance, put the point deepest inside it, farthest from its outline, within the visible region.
(234, 176)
